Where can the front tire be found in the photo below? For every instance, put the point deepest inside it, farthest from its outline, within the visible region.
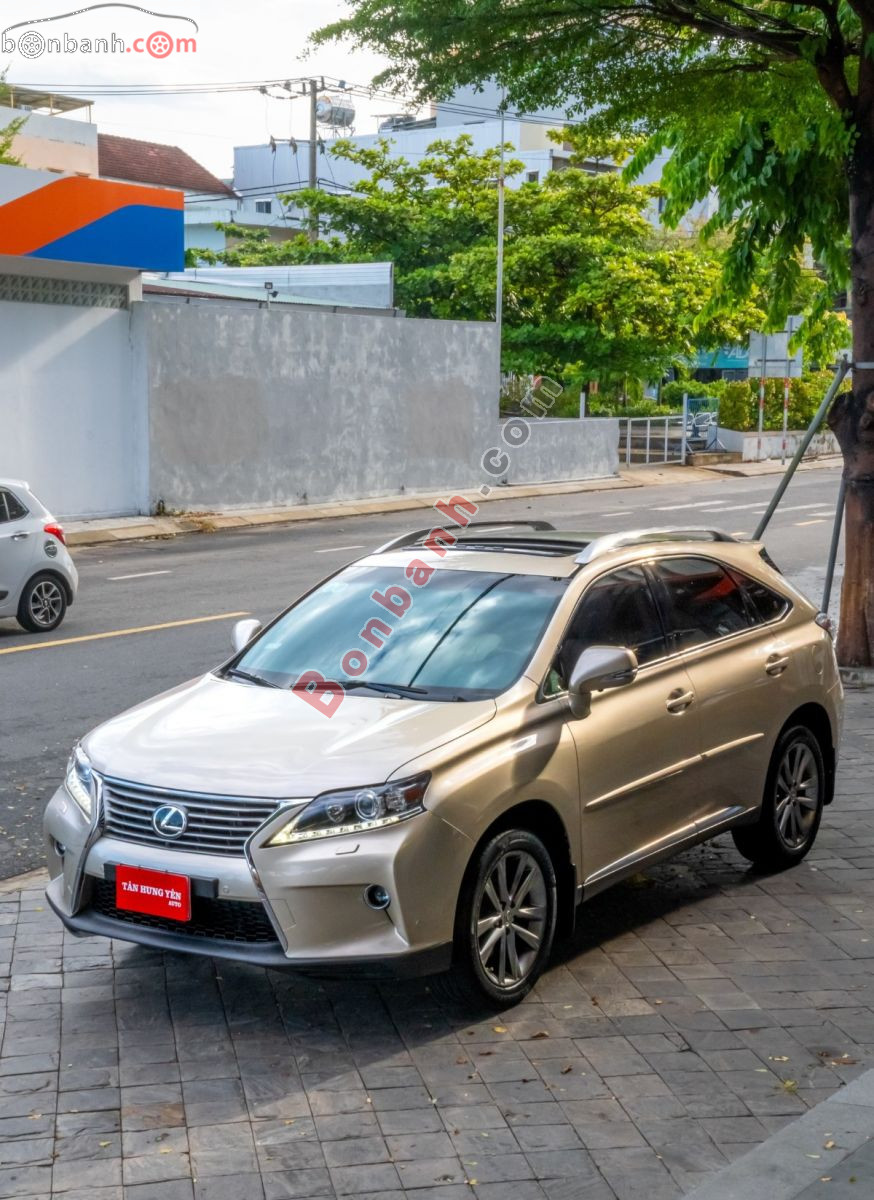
(791, 806)
(506, 921)
(43, 604)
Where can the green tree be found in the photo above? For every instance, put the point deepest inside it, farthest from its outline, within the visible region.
(9, 132)
(771, 103)
(591, 289)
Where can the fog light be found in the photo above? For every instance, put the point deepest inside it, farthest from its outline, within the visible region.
(376, 896)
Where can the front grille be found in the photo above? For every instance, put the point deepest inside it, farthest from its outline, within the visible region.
(216, 824)
(241, 921)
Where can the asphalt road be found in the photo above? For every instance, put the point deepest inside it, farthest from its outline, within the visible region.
(188, 592)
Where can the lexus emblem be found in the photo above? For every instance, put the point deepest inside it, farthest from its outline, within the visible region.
(170, 821)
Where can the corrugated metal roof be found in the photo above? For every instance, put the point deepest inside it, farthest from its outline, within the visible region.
(360, 284)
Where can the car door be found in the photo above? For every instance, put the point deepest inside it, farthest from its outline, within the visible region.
(637, 750)
(727, 630)
(17, 546)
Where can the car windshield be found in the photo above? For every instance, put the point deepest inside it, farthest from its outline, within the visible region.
(461, 635)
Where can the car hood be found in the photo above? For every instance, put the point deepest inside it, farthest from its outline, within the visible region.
(235, 739)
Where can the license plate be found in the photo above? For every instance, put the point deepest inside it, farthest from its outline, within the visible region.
(155, 893)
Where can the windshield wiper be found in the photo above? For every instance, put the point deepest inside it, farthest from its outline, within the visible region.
(397, 689)
(239, 673)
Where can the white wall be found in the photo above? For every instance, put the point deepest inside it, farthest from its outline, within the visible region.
(105, 411)
(71, 408)
(747, 443)
(53, 143)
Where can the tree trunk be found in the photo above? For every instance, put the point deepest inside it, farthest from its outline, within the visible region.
(852, 420)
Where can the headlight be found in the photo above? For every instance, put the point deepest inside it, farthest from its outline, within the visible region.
(78, 780)
(355, 811)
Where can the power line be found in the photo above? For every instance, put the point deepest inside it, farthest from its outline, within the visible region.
(361, 90)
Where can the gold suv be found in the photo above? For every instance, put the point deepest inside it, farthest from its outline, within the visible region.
(430, 759)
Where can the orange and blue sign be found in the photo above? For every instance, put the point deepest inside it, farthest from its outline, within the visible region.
(72, 218)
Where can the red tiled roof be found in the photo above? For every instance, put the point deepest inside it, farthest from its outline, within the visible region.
(150, 162)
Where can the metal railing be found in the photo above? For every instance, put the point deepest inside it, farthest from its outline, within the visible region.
(652, 439)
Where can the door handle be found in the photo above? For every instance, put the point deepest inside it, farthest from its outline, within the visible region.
(19, 537)
(777, 664)
(679, 701)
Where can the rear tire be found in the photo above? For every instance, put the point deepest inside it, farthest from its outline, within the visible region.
(505, 923)
(791, 806)
(43, 603)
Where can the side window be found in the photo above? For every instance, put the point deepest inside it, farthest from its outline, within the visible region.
(4, 508)
(14, 507)
(703, 601)
(767, 604)
(616, 610)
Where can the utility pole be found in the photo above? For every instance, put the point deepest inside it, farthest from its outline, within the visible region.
(313, 232)
(499, 285)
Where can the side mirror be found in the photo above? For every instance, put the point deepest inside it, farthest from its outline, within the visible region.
(243, 632)
(597, 668)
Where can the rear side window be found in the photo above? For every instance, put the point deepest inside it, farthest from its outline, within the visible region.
(702, 601)
(11, 509)
(768, 604)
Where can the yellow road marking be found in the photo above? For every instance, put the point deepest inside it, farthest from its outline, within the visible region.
(816, 521)
(114, 633)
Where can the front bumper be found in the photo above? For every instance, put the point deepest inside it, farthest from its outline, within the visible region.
(311, 894)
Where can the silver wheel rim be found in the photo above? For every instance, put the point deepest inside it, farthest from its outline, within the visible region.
(510, 918)
(797, 795)
(46, 602)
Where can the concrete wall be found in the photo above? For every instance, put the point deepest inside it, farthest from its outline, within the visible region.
(250, 407)
(747, 443)
(565, 448)
(72, 408)
(220, 406)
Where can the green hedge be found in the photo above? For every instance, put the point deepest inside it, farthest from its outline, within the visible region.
(643, 408)
(672, 393)
(739, 404)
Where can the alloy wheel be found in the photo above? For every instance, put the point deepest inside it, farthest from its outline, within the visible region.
(797, 794)
(46, 602)
(511, 916)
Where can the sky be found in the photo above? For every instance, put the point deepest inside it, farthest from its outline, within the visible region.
(236, 40)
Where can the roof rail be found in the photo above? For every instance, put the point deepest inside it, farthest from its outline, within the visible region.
(642, 537)
(418, 535)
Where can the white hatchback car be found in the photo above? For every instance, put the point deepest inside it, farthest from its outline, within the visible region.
(37, 577)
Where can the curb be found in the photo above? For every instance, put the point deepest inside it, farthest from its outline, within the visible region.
(136, 529)
(857, 678)
(752, 469)
(806, 1151)
(16, 883)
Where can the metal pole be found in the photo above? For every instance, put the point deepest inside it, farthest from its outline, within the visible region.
(843, 367)
(785, 419)
(627, 441)
(685, 427)
(667, 422)
(313, 232)
(761, 401)
(833, 548)
(647, 438)
(499, 281)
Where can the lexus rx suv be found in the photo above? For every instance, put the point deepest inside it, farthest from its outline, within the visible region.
(430, 759)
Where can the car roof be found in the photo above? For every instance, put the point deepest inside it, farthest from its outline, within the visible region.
(537, 548)
(15, 483)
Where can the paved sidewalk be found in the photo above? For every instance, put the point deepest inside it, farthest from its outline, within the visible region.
(700, 1011)
(124, 529)
(103, 530)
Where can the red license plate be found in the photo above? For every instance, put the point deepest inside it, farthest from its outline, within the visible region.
(156, 893)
